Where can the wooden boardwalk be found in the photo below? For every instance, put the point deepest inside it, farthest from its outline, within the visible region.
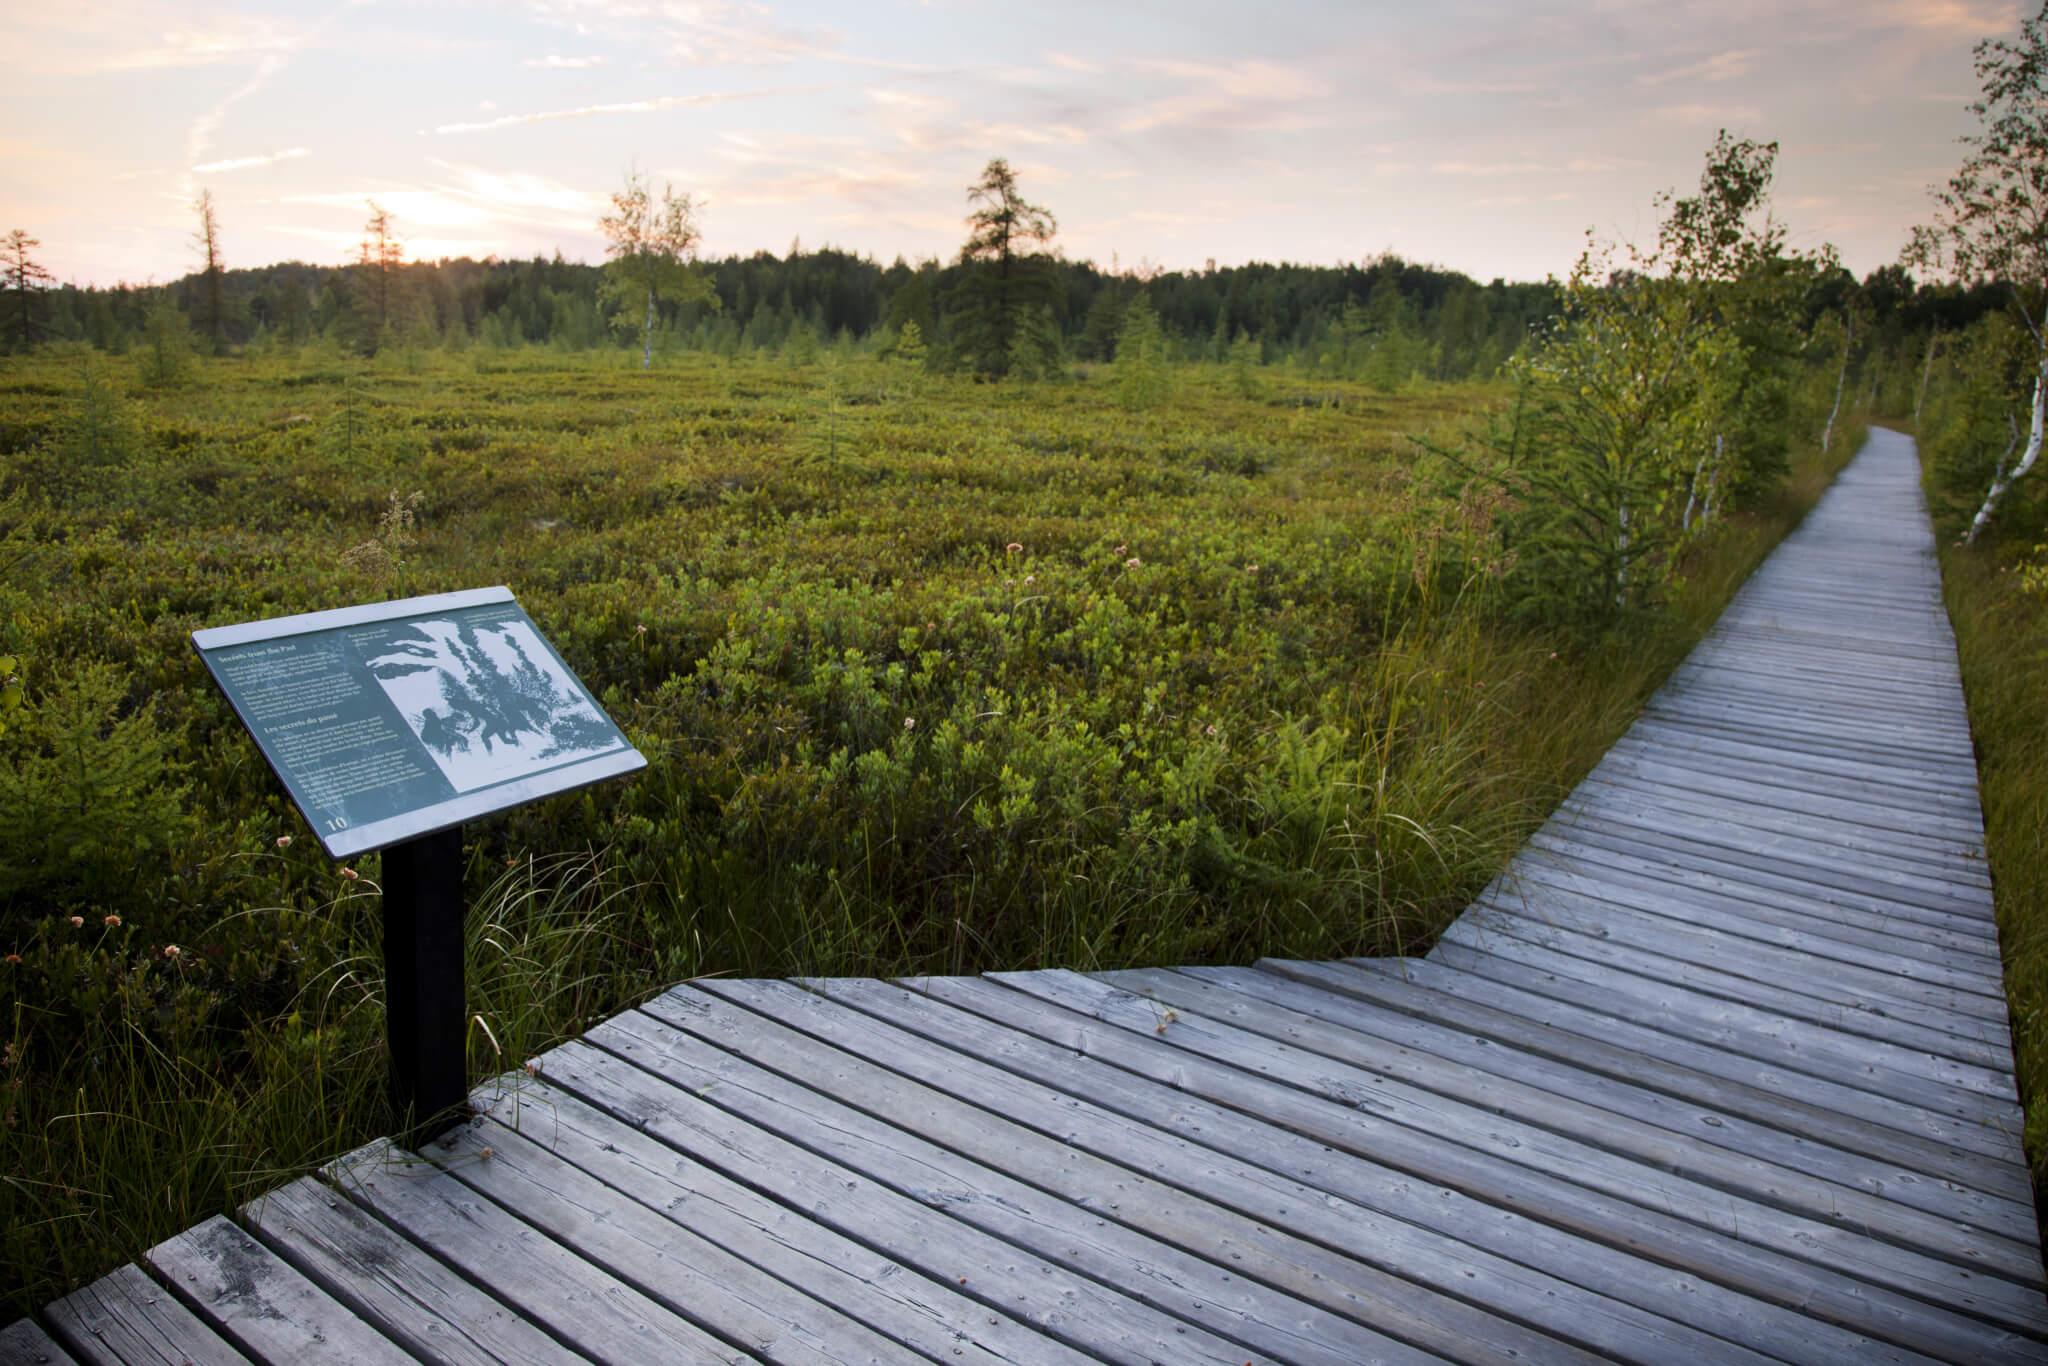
(1718, 1071)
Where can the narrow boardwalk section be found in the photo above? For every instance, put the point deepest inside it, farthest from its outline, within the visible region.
(1717, 1071)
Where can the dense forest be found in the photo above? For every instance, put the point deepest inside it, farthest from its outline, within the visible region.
(1384, 320)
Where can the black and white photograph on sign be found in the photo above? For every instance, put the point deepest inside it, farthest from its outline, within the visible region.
(488, 701)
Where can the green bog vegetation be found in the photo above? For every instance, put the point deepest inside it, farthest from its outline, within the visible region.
(933, 675)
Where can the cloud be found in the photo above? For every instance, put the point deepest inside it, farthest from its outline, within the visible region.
(1965, 17)
(523, 190)
(75, 39)
(199, 138)
(1710, 115)
(553, 63)
(793, 168)
(1076, 65)
(1492, 168)
(1253, 79)
(707, 32)
(1722, 66)
(246, 163)
(649, 106)
(1247, 96)
(1576, 166)
(914, 101)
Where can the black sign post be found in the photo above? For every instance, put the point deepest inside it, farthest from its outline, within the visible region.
(390, 724)
(425, 1023)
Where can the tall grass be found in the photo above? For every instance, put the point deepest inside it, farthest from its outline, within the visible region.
(2002, 642)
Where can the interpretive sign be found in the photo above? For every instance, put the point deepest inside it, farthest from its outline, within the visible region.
(397, 719)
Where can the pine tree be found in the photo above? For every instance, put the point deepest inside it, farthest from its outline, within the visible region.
(166, 344)
(910, 346)
(1141, 377)
(25, 280)
(1036, 350)
(1006, 274)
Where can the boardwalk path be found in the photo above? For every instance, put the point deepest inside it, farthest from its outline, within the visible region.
(1718, 1071)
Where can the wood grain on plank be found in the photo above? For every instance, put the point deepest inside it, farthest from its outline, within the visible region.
(125, 1317)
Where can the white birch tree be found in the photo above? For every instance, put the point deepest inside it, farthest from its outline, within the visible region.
(651, 246)
(1991, 220)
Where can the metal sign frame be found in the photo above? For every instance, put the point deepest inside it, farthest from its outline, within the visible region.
(342, 836)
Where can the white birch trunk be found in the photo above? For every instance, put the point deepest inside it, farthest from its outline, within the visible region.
(1827, 435)
(647, 334)
(2002, 481)
(1926, 372)
(1713, 482)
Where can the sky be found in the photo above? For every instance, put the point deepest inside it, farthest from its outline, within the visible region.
(1486, 137)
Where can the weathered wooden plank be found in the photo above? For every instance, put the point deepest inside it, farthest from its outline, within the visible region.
(126, 1319)
(1758, 831)
(1843, 951)
(1971, 936)
(1264, 1218)
(1427, 1237)
(593, 1313)
(1756, 726)
(926, 1315)
(1890, 724)
(2014, 1303)
(1690, 1138)
(23, 1343)
(1992, 1240)
(249, 1295)
(1663, 955)
(1811, 733)
(1217, 1313)
(390, 1281)
(1814, 675)
(1791, 1059)
(1322, 1142)
(1829, 809)
(1821, 1111)
(1892, 783)
(1821, 667)
(1951, 860)
(1854, 1059)
(1145, 1242)
(657, 1079)
(1733, 676)
(1783, 875)
(1783, 856)
(1885, 945)
(670, 1264)
(1924, 827)
(1678, 874)
(1957, 1023)
(1355, 1127)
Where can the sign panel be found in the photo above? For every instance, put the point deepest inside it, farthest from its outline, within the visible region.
(401, 718)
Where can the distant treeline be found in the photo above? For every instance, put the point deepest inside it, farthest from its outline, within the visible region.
(1384, 318)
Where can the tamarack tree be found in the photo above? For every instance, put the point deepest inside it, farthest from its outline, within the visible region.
(25, 278)
(1655, 397)
(651, 246)
(1991, 219)
(206, 241)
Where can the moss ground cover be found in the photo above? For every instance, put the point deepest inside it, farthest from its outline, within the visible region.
(935, 676)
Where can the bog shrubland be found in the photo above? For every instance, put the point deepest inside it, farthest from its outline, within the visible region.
(933, 675)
